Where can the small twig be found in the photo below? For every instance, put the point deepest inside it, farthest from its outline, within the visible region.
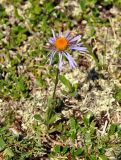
(105, 126)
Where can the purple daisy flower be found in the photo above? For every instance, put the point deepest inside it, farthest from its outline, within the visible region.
(61, 43)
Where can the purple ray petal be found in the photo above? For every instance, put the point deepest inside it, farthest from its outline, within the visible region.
(67, 34)
(69, 38)
(75, 44)
(51, 57)
(79, 44)
(81, 49)
(60, 34)
(75, 38)
(71, 60)
(60, 61)
(53, 34)
(51, 41)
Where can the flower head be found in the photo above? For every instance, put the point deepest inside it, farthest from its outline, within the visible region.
(60, 45)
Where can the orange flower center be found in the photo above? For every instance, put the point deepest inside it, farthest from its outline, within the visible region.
(61, 43)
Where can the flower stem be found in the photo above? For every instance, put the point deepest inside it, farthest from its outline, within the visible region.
(56, 82)
(50, 113)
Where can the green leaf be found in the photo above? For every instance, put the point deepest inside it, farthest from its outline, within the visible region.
(60, 127)
(113, 129)
(50, 113)
(102, 148)
(4, 128)
(93, 157)
(92, 128)
(37, 117)
(2, 11)
(25, 155)
(79, 151)
(21, 86)
(41, 82)
(73, 123)
(87, 118)
(73, 128)
(53, 117)
(57, 148)
(66, 82)
(49, 7)
(65, 149)
(8, 153)
(88, 140)
(10, 118)
(82, 5)
(2, 144)
(73, 135)
(119, 132)
(103, 157)
(118, 94)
